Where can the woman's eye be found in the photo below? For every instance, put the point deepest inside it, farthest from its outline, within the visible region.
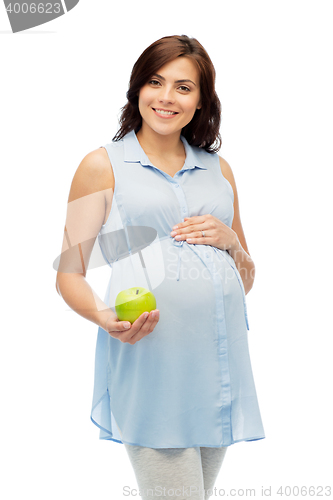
(183, 88)
(153, 81)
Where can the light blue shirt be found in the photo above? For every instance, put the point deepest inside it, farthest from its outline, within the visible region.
(189, 382)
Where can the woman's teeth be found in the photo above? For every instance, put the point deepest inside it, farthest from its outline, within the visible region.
(165, 112)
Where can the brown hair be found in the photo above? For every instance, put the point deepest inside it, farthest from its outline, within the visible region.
(203, 129)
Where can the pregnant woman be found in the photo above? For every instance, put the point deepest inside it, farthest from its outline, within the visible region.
(176, 386)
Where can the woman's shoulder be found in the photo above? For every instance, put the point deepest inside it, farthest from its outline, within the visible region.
(93, 174)
(225, 167)
(228, 174)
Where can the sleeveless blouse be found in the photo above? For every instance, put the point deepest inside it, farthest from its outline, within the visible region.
(188, 383)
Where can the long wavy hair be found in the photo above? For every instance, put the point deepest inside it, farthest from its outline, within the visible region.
(203, 130)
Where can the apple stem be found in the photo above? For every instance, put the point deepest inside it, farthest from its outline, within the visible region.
(137, 292)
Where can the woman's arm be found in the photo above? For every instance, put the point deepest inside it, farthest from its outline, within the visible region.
(92, 185)
(80, 297)
(245, 266)
(239, 252)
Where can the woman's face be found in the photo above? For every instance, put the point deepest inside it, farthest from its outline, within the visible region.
(175, 87)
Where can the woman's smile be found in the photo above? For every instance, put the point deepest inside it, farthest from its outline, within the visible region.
(164, 113)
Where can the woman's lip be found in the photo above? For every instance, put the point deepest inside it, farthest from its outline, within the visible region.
(172, 111)
(162, 115)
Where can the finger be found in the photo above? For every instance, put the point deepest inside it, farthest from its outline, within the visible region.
(198, 240)
(196, 219)
(138, 330)
(139, 322)
(188, 230)
(128, 334)
(154, 317)
(118, 326)
(183, 233)
(147, 327)
(149, 324)
(124, 325)
(188, 221)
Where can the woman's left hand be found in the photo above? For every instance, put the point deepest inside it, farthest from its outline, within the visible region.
(217, 234)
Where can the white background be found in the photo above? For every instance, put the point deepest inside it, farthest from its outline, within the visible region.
(62, 87)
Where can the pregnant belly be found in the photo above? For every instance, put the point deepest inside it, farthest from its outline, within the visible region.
(192, 299)
(187, 283)
(196, 311)
(195, 270)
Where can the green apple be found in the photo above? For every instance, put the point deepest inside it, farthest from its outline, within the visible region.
(131, 303)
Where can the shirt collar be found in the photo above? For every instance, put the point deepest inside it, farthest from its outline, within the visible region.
(134, 153)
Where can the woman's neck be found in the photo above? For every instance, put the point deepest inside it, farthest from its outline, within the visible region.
(155, 144)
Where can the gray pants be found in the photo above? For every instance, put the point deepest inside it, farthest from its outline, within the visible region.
(177, 473)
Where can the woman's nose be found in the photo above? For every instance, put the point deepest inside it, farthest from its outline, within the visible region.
(166, 95)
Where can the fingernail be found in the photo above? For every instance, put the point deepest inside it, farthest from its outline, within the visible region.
(127, 325)
(146, 315)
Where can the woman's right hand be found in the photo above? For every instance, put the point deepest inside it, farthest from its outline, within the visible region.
(139, 329)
